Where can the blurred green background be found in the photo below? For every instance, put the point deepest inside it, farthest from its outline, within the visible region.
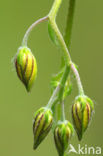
(16, 105)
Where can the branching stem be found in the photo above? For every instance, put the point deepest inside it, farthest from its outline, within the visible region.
(54, 9)
(63, 44)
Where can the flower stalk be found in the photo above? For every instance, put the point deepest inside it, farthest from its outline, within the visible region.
(25, 39)
(63, 111)
(51, 17)
(79, 84)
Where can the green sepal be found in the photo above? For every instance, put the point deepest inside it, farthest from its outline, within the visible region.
(42, 109)
(90, 102)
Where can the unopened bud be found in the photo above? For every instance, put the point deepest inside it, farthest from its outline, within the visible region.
(62, 135)
(82, 111)
(26, 66)
(43, 119)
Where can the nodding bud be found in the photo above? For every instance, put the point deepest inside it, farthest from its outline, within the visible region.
(62, 135)
(82, 111)
(26, 66)
(43, 119)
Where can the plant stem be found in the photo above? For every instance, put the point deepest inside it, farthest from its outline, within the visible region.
(63, 111)
(61, 41)
(52, 16)
(25, 39)
(67, 38)
(51, 101)
(53, 106)
(59, 88)
(69, 23)
(63, 81)
(54, 9)
(80, 87)
(63, 45)
(60, 97)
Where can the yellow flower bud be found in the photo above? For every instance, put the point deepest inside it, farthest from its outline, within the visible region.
(82, 111)
(43, 119)
(62, 135)
(26, 66)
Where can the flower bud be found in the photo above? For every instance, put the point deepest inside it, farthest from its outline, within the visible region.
(26, 66)
(62, 135)
(82, 111)
(43, 119)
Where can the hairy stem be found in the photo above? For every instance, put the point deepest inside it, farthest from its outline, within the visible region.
(75, 71)
(52, 99)
(25, 39)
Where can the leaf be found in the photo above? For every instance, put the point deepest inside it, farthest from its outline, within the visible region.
(51, 33)
(67, 91)
(56, 80)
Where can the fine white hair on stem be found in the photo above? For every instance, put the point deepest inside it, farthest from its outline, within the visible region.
(25, 39)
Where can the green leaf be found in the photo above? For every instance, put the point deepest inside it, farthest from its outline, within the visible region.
(56, 80)
(67, 90)
(51, 33)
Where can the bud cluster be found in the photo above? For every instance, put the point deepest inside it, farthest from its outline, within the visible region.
(82, 109)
